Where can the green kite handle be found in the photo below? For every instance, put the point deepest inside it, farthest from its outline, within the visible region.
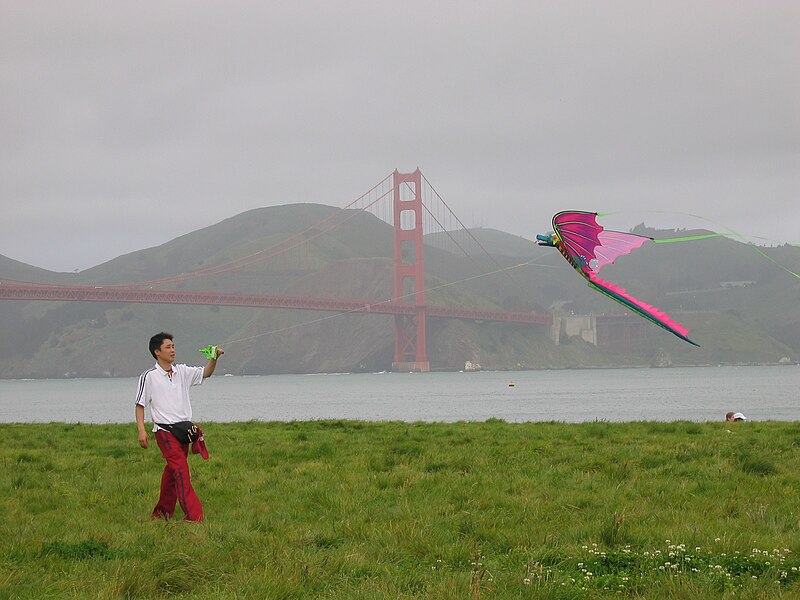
(210, 352)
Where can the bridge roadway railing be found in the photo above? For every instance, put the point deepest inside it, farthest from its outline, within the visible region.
(109, 294)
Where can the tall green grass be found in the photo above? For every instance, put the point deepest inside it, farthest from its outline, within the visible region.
(346, 509)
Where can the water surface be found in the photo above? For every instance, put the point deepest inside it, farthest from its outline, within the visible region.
(692, 394)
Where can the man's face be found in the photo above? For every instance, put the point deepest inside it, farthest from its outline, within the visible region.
(167, 352)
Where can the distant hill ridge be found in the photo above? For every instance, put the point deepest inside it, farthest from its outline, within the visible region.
(753, 324)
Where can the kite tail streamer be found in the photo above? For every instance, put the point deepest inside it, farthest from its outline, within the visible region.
(767, 256)
(690, 238)
(732, 233)
(772, 260)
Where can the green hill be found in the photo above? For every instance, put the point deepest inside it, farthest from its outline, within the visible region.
(742, 308)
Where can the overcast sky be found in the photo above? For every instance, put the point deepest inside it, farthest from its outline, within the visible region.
(126, 124)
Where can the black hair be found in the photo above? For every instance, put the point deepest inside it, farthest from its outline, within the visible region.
(157, 340)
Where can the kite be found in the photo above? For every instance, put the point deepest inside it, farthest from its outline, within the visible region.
(588, 247)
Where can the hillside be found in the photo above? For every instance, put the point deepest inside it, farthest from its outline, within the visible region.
(741, 307)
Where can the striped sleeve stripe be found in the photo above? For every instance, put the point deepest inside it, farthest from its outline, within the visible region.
(142, 379)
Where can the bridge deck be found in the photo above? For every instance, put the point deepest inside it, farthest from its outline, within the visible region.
(123, 295)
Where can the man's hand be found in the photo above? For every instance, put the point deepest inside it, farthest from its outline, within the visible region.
(213, 353)
(144, 442)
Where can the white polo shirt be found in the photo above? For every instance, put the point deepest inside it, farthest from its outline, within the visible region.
(168, 397)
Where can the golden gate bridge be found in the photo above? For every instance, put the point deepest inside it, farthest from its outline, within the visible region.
(409, 217)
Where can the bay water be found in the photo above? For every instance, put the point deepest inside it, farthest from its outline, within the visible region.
(691, 394)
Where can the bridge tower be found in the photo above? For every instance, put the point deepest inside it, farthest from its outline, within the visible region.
(409, 273)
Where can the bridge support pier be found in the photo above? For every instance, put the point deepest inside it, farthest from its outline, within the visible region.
(555, 328)
(407, 355)
(410, 352)
(583, 326)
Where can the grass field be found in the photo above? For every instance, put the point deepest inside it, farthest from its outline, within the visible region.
(354, 510)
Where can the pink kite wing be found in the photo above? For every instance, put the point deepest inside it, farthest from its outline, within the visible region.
(590, 245)
(614, 244)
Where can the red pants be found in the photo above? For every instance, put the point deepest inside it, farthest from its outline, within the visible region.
(176, 484)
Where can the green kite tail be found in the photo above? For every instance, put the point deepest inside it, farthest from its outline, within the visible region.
(731, 233)
(210, 352)
(769, 258)
(691, 238)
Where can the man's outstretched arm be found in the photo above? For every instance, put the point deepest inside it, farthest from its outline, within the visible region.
(208, 370)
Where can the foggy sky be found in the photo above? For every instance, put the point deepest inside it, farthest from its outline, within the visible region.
(124, 125)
